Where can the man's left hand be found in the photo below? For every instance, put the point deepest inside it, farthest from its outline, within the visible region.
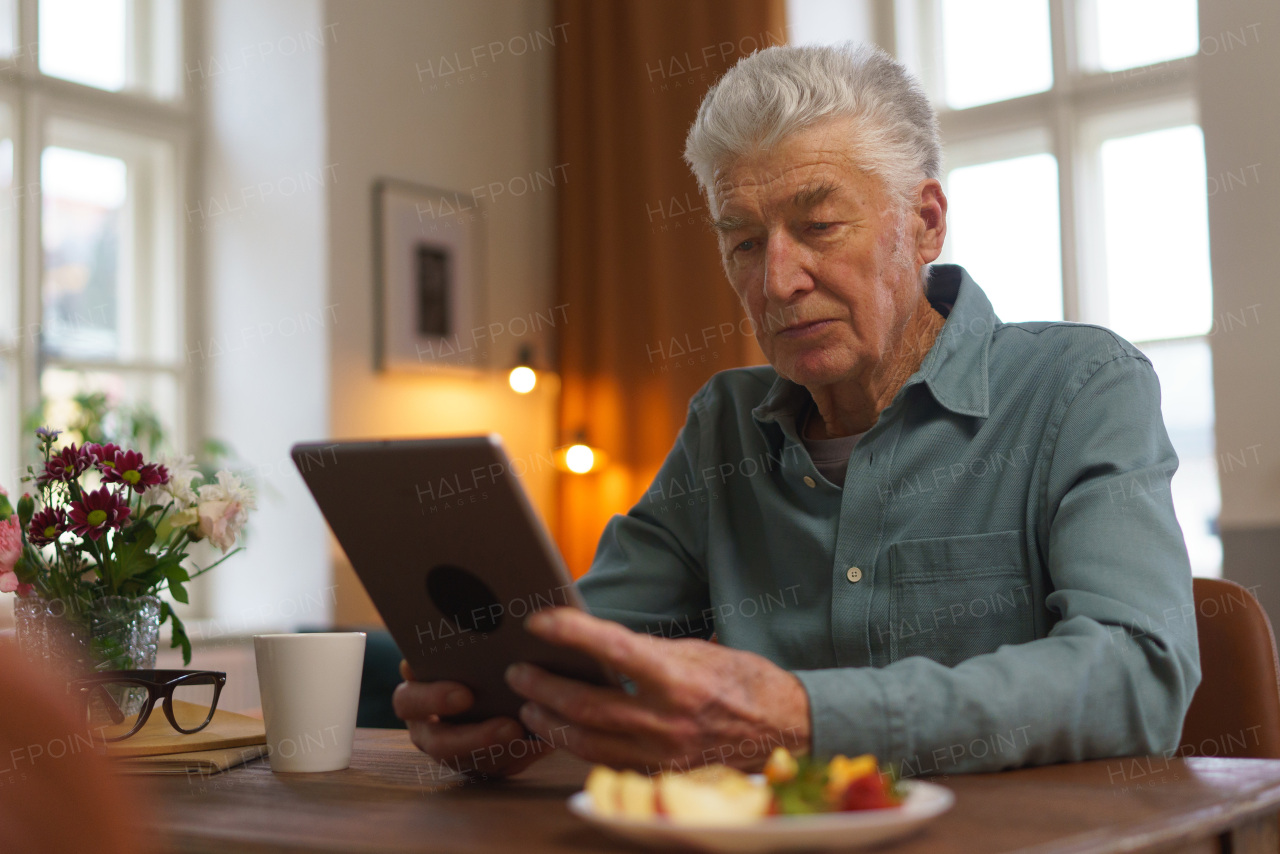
(695, 702)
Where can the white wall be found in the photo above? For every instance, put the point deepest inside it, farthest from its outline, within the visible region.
(432, 92)
(266, 315)
(1240, 72)
(1240, 114)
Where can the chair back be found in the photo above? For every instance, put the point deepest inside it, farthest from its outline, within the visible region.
(1236, 709)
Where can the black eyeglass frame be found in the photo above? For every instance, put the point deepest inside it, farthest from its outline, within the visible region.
(159, 684)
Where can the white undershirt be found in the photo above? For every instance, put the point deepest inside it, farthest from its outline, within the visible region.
(830, 456)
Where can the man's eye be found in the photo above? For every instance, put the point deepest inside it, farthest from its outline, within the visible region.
(820, 226)
(745, 246)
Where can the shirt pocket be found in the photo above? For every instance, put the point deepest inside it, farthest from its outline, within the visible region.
(956, 597)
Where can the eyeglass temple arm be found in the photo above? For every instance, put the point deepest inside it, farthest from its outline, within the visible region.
(113, 708)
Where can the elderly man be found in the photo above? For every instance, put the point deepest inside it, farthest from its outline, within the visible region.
(920, 532)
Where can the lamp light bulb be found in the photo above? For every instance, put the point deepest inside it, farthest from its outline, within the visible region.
(580, 459)
(522, 379)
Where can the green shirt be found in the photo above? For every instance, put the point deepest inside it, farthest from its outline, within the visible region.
(1001, 581)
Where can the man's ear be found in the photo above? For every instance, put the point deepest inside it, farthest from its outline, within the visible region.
(931, 207)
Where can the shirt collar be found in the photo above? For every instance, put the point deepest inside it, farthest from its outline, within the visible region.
(955, 368)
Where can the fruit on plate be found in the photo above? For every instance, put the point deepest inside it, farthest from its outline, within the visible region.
(723, 796)
(621, 794)
(714, 795)
(803, 786)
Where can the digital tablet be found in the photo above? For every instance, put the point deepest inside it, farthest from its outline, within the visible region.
(444, 539)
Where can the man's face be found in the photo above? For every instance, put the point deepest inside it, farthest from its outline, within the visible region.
(818, 252)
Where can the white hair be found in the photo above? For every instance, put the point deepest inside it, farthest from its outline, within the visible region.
(779, 91)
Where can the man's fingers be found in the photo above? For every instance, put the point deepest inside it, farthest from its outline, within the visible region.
(607, 748)
(591, 706)
(490, 743)
(635, 655)
(406, 672)
(421, 700)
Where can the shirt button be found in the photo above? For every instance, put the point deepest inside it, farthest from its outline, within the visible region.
(854, 575)
(808, 481)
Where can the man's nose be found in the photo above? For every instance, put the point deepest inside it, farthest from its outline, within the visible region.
(784, 271)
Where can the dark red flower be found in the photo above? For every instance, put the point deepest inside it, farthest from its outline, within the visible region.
(102, 453)
(154, 474)
(66, 465)
(96, 512)
(127, 467)
(46, 526)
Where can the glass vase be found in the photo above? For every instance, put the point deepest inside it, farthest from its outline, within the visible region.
(111, 633)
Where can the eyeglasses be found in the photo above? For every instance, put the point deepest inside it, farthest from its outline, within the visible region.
(118, 702)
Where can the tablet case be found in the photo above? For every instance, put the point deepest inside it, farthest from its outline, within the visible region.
(453, 555)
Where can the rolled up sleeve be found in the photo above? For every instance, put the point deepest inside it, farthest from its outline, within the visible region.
(648, 572)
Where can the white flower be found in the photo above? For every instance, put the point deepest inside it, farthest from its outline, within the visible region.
(182, 471)
(230, 488)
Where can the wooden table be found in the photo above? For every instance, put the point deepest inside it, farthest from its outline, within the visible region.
(393, 799)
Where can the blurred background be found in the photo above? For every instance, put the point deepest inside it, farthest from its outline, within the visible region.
(190, 240)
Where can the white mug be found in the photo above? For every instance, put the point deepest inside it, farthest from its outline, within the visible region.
(310, 686)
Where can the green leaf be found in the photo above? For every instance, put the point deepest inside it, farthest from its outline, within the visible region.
(175, 572)
(6, 509)
(140, 531)
(178, 592)
(132, 558)
(129, 549)
(145, 583)
(179, 632)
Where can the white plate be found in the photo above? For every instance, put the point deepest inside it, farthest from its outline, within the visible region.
(925, 802)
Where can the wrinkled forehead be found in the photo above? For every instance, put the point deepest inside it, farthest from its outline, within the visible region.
(802, 183)
(822, 153)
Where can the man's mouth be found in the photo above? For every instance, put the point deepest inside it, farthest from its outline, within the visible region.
(804, 329)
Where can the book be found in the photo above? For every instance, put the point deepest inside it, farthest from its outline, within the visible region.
(158, 737)
(203, 762)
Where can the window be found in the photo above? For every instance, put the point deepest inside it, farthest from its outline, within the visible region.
(1076, 178)
(94, 135)
(983, 64)
(11, 327)
(116, 45)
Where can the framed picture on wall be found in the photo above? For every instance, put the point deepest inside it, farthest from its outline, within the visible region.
(427, 250)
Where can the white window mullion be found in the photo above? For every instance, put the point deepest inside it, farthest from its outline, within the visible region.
(29, 142)
(1069, 210)
(1065, 71)
(28, 38)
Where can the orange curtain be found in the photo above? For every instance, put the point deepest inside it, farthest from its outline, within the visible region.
(650, 316)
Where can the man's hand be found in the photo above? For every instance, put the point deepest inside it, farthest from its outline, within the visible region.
(496, 747)
(695, 702)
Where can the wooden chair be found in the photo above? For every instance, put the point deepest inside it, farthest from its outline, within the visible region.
(1236, 709)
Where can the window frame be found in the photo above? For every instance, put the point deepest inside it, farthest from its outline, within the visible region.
(1080, 101)
(37, 100)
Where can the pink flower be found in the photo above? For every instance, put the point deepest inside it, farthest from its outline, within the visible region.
(97, 512)
(10, 551)
(218, 522)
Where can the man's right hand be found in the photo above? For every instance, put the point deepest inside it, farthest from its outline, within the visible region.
(497, 747)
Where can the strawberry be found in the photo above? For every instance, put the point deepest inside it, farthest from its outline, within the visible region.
(868, 792)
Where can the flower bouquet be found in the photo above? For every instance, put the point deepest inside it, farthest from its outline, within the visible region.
(106, 526)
